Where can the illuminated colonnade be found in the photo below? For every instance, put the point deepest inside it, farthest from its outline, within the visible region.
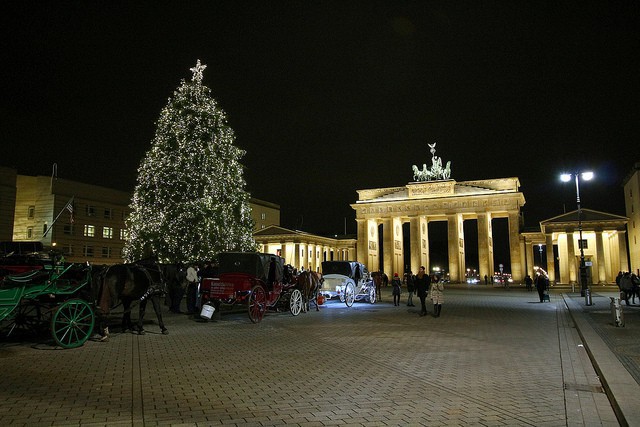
(302, 249)
(604, 246)
(419, 203)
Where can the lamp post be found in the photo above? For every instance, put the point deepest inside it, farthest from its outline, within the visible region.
(540, 252)
(587, 176)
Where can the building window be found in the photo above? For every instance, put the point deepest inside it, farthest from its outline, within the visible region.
(90, 210)
(31, 213)
(29, 232)
(262, 226)
(124, 234)
(44, 228)
(583, 244)
(68, 229)
(106, 252)
(108, 213)
(107, 232)
(263, 216)
(89, 230)
(88, 251)
(67, 250)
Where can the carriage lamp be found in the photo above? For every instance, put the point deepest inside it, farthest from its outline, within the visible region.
(587, 176)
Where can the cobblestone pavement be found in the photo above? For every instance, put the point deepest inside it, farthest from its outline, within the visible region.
(494, 357)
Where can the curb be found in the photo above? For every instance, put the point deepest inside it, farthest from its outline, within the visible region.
(620, 387)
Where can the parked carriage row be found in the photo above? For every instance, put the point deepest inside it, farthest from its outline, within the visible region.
(60, 296)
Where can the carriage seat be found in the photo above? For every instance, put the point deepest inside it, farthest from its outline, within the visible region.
(28, 278)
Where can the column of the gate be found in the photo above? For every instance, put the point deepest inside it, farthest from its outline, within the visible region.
(485, 248)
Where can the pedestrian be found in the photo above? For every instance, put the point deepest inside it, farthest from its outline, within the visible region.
(437, 295)
(541, 285)
(486, 279)
(395, 282)
(422, 283)
(192, 288)
(529, 282)
(177, 288)
(410, 288)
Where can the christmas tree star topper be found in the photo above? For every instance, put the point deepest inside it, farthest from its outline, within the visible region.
(197, 72)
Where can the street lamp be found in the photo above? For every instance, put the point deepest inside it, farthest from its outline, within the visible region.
(587, 176)
(540, 251)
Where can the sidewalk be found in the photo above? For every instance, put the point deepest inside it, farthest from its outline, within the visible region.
(614, 351)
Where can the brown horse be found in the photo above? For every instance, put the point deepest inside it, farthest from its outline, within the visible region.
(309, 284)
(378, 278)
(128, 283)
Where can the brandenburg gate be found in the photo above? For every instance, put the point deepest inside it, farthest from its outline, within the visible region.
(437, 198)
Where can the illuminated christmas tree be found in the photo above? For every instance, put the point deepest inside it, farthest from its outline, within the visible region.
(190, 201)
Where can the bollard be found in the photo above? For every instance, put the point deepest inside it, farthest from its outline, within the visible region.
(573, 287)
(616, 311)
(587, 297)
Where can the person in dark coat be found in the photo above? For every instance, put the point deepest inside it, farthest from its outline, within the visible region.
(395, 282)
(541, 285)
(422, 283)
(529, 282)
(410, 288)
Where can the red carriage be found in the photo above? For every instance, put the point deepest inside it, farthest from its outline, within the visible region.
(255, 279)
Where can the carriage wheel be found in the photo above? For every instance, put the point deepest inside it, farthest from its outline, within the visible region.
(372, 295)
(72, 323)
(295, 302)
(28, 319)
(257, 304)
(349, 294)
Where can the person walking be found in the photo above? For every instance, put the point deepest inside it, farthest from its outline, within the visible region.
(410, 288)
(395, 282)
(437, 295)
(422, 283)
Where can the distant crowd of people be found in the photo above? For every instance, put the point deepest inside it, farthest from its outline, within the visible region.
(425, 286)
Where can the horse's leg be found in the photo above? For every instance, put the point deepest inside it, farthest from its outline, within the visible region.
(155, 300)
(141, 312)
(126, 316)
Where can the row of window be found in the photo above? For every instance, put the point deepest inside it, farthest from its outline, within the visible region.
(90, 231)
(90, 252)
(89, 210)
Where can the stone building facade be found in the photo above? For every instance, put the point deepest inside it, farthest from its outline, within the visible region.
(419, 203)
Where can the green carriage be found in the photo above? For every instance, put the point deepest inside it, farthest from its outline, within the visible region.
(55, 297)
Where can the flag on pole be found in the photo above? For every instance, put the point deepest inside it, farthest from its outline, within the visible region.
(69, 207)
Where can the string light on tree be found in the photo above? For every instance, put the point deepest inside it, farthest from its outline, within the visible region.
(190, 201)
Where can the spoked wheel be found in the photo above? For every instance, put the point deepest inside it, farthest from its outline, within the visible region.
(344, 291)
(28, 319)
(295, 302)
(349, 294)
(372, 295)
(257, 304)
(72, 323)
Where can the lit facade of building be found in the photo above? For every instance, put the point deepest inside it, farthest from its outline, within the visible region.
(419, 203)
(7, 202)
(264, 214)
(603, 243)
(301, 249)
(91, 230)
(632, 206)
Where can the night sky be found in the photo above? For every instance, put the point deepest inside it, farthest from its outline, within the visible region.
(328, 97)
